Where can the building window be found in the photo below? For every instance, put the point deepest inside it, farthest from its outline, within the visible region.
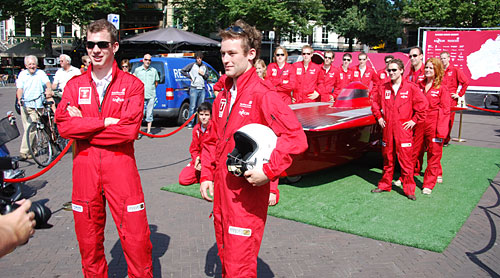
(36, 28)
(293, 37)
(324, 35)
(20, 26)
(304, 39)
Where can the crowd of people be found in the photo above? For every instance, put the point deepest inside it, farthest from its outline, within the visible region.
(413, 109)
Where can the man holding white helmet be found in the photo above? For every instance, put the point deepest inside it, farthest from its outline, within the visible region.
(241, 202)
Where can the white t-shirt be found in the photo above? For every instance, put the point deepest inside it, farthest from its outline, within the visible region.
(62, 77)
(102, 84)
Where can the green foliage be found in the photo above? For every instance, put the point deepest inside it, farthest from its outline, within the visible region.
(453, 13)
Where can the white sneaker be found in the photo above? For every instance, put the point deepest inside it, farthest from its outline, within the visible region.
(427, 191)
(439, 179)
(398, 183)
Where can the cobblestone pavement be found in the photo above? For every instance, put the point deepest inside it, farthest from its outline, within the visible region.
(183, 236)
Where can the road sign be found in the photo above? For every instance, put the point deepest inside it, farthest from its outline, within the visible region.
(115, 20)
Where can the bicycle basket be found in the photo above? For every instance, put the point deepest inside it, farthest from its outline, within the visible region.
(8, 132)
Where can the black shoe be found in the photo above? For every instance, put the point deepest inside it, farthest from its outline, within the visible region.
(377, 190)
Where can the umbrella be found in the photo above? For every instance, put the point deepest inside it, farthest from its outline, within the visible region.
(170, 38)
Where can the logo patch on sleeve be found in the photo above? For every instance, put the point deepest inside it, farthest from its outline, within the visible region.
(240, 231)
(405, 145)
(134, 208)
(77, 208)
(437, 140)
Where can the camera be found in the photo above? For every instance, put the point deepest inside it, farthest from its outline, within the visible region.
(11, 192)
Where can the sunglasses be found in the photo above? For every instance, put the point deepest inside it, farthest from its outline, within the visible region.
(279, 54)
(326, 57)
(124, 66)
(414, 55)
(345, 59)
(146, 59)
(236, 29)
(392, 70)
(306, 53)
(101, 44)
(362, 59)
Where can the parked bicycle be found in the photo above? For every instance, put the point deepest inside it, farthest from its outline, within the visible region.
(44, 141)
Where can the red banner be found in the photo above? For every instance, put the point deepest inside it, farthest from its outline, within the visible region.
(477, 53)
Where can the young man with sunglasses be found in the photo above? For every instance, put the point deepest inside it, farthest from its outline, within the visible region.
(241, 202)
(365, 74)
(330, 78)
(102, 111)
(150, 77)
(309, 78)
(416, 73)
(399, 106)
(345, 73)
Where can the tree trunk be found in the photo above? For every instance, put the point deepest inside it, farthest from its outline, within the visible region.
(350, 45)
(47, 39)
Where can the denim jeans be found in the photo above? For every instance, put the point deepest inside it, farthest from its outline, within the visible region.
(196, 97)
(148, 106)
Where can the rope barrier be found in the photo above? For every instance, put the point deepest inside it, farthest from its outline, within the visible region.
(63, 152)
(483, 109)
(171, 133)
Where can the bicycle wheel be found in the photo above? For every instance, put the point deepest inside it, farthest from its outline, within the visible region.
(60, 142)
(39, 145)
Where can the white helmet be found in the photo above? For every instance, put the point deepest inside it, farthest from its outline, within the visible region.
(254, 144)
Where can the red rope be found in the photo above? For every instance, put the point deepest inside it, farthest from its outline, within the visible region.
(46, 168)
(487, 110)
(171, 133)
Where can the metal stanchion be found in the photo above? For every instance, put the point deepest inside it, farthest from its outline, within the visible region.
(459, 139)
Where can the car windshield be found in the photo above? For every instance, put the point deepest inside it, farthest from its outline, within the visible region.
(352, 93)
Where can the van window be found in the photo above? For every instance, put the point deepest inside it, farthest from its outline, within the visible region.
(212, 76)
(155, 64)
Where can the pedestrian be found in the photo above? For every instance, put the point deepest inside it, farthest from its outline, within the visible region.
(345, 73)
(452, 79)
(149, 76)
(85, 63)
(416, 73)
(191, 173)
(260, 68)
(330, 77)
(240, 203)
(33, 86)
(125, 65)
(309, 78)
(64, 74)
(429, 135)
(365, 74)
(400, 105)
(102, 111)
(281, 74)
(197, 72)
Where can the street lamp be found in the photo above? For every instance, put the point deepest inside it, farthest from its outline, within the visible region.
(271, 38)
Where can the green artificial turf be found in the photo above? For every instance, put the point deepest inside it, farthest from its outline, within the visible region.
(340, 199)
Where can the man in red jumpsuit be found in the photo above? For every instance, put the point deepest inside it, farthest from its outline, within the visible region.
(102, 111)
(453, 77)
(344, 76)
(191, 173)
(329, 78)
(309, 78)
(416, 73)
(398, 107)
(364, 74)
(240, 203)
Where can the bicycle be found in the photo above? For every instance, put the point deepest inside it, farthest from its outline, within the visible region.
(43, 137)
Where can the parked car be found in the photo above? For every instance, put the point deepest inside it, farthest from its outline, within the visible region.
(172, 92)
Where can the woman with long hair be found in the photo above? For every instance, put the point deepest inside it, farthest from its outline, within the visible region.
(260, 68)
(281, 74)
(430, 134)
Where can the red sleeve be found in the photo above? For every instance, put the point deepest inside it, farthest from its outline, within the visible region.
(444, 113)
(195, 147)
(219, 85)
(376, 102)
(77, 128)
(320, 81)
(420, 104)
(291, 137)
(462, 80)
(127, 128)
(208, 146)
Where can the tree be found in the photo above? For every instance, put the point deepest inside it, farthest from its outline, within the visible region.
(53, 12)
(453, 13)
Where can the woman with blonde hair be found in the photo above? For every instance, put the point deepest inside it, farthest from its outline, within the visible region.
(430, 134)
(281, 74)
(260, 68)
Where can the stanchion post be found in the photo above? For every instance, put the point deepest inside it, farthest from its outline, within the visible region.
(459, 139)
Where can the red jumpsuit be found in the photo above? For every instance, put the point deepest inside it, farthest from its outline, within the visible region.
(430, 134)
(104, 169)
(307, 81)
(408, 104)
(189, 174)
(453, 77)
(416, 76)
(219, 85)
(343, 79)
(369, 77)
(330, 79)
(282, 79)
(240, 209)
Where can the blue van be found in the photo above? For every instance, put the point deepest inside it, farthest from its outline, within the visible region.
(172, 92)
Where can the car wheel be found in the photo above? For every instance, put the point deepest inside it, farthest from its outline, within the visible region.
(183, 113)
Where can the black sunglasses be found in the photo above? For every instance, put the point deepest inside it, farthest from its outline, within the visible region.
(236, 29)
(101, 44)
(414, 55)
(306, 53)
(326, 57)
(347, 59)
(392, 70)
(279, 54)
